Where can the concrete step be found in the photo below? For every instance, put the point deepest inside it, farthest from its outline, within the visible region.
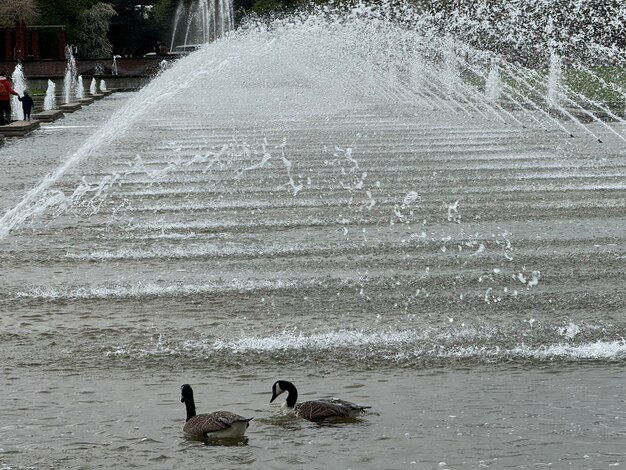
(70, 107)
(48, 116)
(18, 128)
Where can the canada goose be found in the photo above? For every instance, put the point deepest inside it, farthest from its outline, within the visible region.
(315, 410)
(220, 424)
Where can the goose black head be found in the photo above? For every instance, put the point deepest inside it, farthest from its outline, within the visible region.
(186, 393)
(281, 386)
(276, 390)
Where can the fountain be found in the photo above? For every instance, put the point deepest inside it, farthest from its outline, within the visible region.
(19, 85)
(70, 79)
(371, 198)
(103, 85)
(80, 88)
(114, 65)
(93, 87)
(197, 22)
(554, 81)
(50, 101)
(452, 79)
(493, 90)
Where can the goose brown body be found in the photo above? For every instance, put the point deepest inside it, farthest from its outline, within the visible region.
(219, 424)
(222, 422)
(315, 410)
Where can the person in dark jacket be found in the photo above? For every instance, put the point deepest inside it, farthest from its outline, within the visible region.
(27, 105)
(5, 99)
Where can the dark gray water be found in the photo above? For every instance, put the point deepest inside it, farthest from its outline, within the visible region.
(462, 276)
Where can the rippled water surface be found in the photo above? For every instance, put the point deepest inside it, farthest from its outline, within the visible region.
(461, 274)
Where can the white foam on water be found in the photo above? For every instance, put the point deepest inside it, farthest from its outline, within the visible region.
(596, 350)
(614, 350)
(148, 289)
(570, 331)
(151, 253)
(226, 224)
(393, 347)
(221, 205)
(409, 198)
(329, 340)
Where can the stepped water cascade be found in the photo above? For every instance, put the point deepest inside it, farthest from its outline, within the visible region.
(374, 201)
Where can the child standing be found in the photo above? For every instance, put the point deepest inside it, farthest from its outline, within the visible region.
(27, 105)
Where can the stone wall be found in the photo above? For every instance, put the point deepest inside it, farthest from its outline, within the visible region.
(139, 67)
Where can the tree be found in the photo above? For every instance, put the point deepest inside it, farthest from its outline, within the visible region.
(26, 11)
(138, 25)
(95, 24)
(64, 12)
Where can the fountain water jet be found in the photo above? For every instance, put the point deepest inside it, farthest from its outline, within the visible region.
(493, 90)
(70, 79)
(114, 65)
(80, 88)
(204, 21)
(554, 81)
(50, 101)
(19, 85)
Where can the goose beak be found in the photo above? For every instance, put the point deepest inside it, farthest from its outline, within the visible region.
(273, 397)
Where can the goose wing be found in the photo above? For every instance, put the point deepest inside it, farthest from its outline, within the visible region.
(348, 404)
(318, 410)
(201, 425)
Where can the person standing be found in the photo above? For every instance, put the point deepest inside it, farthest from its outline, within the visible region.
(5, 99)
(27, 105)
